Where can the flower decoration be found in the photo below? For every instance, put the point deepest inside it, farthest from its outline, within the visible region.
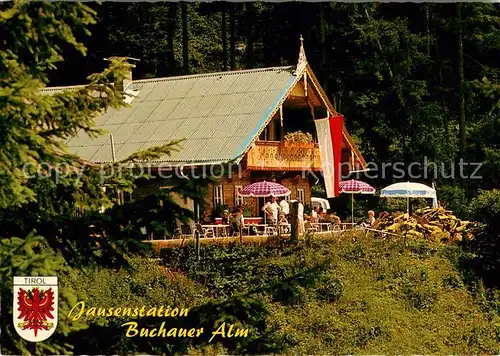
(298, 136)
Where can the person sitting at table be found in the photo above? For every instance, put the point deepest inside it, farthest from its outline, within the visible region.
(321, 215)
(381, 216)
(330, 217)
(236, 222)
(326, 217)
(226, 216)
(370, 221)
(335, 218)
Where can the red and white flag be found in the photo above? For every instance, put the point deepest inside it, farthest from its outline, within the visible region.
(329, 131)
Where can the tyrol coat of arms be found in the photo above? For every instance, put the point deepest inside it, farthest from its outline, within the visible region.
(35, 307)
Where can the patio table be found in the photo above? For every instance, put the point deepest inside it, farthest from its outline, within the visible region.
(218, 230)
(262, 229)
(347, 226)
(326, 226)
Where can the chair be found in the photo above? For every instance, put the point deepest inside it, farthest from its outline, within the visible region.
(270, 230)
(285, 228)
(186, 230)
(200, 230)
(235, 228)
(309, 227)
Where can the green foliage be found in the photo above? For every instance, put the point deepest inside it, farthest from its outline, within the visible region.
(32, 256)
(391, 69)
(486, 208)
(50, 200)
(485, 248)
(154, 153)
(34, 124)
(454, 198)
(225, 271)
(318, 190)
(358, 294)
(330, 290)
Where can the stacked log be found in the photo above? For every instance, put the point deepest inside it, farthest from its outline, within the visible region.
(429, 223)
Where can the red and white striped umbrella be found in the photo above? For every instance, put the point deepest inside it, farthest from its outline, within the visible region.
(264, 189)
(356, 187)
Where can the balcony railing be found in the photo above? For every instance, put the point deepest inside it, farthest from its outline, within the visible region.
(274, 155)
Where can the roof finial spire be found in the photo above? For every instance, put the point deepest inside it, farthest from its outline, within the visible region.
(302, 62)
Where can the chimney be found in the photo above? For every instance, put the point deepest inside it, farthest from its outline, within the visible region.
(128, 78)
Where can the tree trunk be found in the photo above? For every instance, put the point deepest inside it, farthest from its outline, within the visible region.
(224, 38)
(185, 38)
(322, 33)
(441, 83)
(397, 88)
(172, 14)
(250, 17)
(232, 36)
(427, 28)
(461, 123)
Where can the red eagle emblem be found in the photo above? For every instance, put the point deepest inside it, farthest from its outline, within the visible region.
(36, 306)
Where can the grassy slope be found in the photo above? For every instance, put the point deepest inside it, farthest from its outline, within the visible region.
(350, 294)
(394, 300)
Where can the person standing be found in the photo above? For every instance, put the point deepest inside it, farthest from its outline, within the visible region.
(241, 217)
(284, 207)
(300, 217)
(271, 209)
(314, 214)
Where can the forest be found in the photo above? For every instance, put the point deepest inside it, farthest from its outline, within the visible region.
(417, 82)
(393, 70)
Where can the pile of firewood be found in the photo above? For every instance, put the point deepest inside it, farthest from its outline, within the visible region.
(430, 223)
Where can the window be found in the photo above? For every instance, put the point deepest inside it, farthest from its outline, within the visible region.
(218, 195)
(288, 198)
(301, 196)
(237, 199)
(264, 135)
(127, 197)
(123, 197)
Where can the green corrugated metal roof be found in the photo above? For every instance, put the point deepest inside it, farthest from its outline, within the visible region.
(217, 114)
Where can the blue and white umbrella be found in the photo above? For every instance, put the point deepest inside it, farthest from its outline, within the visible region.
(409, 190)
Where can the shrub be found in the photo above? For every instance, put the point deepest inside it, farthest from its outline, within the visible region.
(454, 198)
(420, 297)
(486, 209)
(330, 289)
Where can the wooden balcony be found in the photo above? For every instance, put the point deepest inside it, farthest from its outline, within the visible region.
(281, 156)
